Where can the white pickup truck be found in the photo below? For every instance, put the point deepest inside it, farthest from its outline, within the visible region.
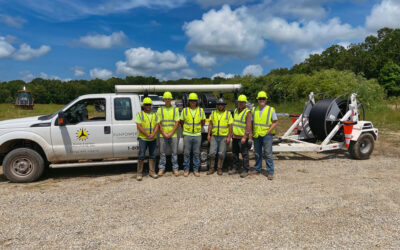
(95, 129)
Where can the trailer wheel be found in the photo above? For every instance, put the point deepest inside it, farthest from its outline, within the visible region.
(23, 165)
(363, 147)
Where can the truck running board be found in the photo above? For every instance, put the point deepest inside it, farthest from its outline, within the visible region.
(92, 163)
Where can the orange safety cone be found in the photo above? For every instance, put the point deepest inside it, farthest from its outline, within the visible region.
(348, 130)
(294, 119)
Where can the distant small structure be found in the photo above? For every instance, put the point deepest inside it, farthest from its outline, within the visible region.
(24, 99)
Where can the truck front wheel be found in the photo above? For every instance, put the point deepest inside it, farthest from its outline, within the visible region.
(23, 165)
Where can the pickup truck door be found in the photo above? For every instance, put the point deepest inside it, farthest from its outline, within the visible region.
(125, 133)
(87, 133)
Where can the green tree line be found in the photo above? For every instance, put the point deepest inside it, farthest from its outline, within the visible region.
(370, 69)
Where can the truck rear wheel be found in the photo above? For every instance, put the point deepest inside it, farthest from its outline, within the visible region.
(23, 165)
(363, 147)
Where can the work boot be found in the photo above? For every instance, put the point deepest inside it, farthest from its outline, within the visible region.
(139, 171)
(232, 171)
(186, 174)
(220, 164)
(196, 173)
(244, 174)
(152, 168)
(270, 176)
(211, 167)
(160, 172)
(176, 173)
(254, 172)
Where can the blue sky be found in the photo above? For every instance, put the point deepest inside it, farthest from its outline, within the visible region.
(171, 39)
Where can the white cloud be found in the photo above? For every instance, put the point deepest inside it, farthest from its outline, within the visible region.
(300, 55)
(309, 9)
(209, 3)
(182, 74)
(28, 76)
(6, 49)
(222, 75)
(253, 70)
(308, 34)
(145, 61)
(384, 14)
(225, 32)
(100, 73)
(26, 53)
(204, 61)
(78, 71)
(243, 32)
(104, 41)
(15, 22)
(61, 10)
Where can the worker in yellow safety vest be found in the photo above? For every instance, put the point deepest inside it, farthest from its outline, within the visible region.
(192, 120)
(240, 139)
(219, 135)
(168, 122)
(146, 122)
(264, 122)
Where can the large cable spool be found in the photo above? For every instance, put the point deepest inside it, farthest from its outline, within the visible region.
(324, 116)
(208, 100)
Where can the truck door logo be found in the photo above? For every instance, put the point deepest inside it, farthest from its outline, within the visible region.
(82, 134)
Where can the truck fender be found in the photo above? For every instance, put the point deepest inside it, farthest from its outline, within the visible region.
(22, 135)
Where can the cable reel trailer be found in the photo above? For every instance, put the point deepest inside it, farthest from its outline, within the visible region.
(335, 123)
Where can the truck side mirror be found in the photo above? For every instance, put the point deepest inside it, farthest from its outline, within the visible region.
(61, 119)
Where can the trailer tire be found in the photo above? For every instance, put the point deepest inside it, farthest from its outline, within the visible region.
(363, 147)
(23, 165)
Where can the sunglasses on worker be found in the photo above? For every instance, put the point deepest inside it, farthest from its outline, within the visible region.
(147, 104)
(262, 99)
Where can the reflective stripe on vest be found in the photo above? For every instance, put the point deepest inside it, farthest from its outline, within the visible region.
(239, 122)
(168, 122)
(220, 126)
(192, 124)
(262, 123)
(147, 125)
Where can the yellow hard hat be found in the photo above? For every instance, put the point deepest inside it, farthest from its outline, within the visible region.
(242, 98)
(262, 94)
(193, 96)
(167, 95)
(147, 100)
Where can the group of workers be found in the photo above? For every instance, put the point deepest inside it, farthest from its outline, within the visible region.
(257, 124)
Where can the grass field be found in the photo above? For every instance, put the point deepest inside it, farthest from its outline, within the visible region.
(8, 111)
(383, 116)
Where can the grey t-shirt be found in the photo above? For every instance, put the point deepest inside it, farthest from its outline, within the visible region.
(274, 116)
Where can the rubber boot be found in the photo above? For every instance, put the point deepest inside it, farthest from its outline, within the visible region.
(139, 172)
(152, 167)
(220, 164)
(211, 166)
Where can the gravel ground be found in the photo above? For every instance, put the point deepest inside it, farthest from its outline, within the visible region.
(316, 201)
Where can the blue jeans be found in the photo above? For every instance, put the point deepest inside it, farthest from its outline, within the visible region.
(143, 145)
(217, 145)
(263, 147)
(192, 144)
(172, 143)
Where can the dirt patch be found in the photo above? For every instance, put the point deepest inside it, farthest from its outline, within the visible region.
(315, 201)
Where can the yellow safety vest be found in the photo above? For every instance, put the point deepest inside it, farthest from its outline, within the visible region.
(262, 123)
(220, 126)
(239, 122)
(192, 124)
(168, 120)
(147, 125)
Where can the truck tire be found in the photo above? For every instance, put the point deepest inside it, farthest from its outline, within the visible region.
(363, 147)
(23, 165)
